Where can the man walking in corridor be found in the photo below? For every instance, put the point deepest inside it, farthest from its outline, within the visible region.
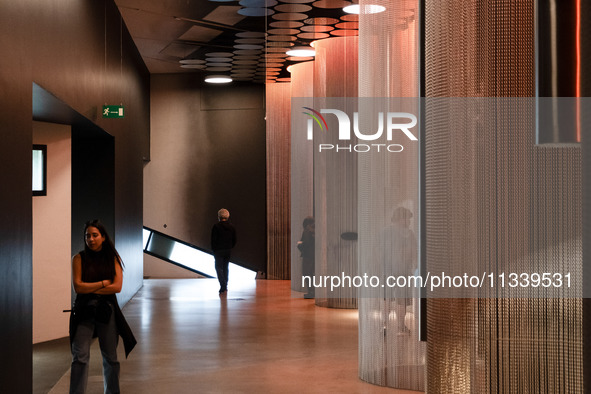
(223, 239)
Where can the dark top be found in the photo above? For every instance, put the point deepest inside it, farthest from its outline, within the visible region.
(306, 246)
(223, 236)
(98, 307)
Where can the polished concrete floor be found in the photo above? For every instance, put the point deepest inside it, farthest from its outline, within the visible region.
(260, 337)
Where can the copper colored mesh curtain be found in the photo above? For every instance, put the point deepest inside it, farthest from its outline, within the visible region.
(390, 353)
(497, 199)
(335, 174)
(278, 186)
(302, 161)
(586, 169)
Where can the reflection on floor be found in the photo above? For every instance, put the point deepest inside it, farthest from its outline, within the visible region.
(257, 338)
(50, 360)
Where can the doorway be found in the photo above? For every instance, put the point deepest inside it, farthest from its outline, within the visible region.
(80, 187)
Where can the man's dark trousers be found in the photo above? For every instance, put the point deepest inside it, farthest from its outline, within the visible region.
(222, 260)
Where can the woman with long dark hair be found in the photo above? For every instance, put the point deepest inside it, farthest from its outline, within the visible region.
(97, 275)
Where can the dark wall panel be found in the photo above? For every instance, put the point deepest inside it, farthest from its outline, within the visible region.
(15, 208)
(93, 186)
(61, 46)
(16, 240)
(208, 152)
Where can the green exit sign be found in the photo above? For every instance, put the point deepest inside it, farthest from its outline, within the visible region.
(112, 111)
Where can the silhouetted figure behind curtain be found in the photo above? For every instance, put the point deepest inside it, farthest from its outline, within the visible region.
(306, 245)
(401, 256)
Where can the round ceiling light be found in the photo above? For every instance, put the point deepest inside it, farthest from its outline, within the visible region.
(301, 52)
(367, 9)
(192, 61)
(218, 79)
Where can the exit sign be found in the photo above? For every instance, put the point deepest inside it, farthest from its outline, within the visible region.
(112, 111)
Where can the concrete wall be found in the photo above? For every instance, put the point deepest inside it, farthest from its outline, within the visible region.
(207, 152)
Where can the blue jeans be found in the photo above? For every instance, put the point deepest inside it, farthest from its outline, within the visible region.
(108, 340)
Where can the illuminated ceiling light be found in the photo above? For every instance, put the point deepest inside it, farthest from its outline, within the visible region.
(367, 9)
(301, 52)
(218, 79)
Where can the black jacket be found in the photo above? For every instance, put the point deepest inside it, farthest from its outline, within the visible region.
(223, 236)
(88, 306)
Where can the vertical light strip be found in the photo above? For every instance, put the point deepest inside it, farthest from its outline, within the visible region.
(554, 67)
(578, 72)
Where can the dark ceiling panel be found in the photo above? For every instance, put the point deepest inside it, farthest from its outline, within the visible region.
(170, 32)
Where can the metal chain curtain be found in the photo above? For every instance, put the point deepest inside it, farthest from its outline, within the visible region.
(497, 199)
(302, 161)
(278, 185)
(390, 353)
(335, 174)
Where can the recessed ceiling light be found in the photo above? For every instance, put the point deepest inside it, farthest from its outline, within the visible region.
(301, 52)
(367, 9)
(192, 61)
(194, 66)
(218, 79)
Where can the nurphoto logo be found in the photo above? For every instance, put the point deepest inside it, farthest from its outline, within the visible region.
(391, 123)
